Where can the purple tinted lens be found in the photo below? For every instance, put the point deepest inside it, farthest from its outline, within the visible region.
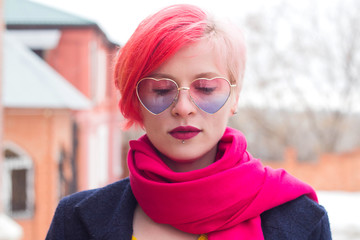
(156, 95)
(210, 94)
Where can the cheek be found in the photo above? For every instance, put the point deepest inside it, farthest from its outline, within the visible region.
(227, 111)
(218, 121)
(147, 120)
(151, 123)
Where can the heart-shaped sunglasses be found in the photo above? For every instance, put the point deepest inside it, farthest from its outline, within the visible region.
(156, 95)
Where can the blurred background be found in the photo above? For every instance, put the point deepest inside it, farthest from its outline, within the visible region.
(60, 128)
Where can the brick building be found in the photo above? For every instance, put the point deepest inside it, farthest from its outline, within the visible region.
(61, 121)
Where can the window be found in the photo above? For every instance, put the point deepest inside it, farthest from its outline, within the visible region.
(98, 72)
(67, 173)
(18, 182)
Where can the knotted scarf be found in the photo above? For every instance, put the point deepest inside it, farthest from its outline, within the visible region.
(224, 199)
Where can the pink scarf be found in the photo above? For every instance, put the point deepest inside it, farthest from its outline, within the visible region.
(224, 200)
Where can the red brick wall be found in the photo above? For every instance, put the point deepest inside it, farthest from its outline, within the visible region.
(41, 133)
(71, 58)
(334, 172)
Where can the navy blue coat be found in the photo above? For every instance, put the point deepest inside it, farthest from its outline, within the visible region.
(107, 213)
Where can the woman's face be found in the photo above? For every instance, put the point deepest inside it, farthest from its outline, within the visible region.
(196, 147)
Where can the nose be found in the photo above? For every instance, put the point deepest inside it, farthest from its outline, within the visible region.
(183, 106)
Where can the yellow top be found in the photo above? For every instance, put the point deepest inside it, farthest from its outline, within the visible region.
(202, 237)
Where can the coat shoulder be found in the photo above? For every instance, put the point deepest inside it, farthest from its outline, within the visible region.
(76, 214)
(117, 188)
(301, 218)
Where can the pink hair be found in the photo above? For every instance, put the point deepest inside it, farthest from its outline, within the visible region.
(155, 40)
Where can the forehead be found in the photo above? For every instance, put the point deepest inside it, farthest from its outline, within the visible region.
(192, 61)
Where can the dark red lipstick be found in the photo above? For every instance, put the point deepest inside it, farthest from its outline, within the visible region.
(184, 132)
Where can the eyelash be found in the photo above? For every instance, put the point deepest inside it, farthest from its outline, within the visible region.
(161, 92)
(205, 90)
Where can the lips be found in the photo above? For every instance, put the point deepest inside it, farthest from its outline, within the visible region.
(184, 132)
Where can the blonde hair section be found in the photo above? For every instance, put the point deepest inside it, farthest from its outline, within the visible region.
(228, 42)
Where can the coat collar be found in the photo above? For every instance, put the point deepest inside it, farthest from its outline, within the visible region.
(108, 212)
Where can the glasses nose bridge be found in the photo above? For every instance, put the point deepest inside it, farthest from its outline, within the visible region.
(178, 93)
(186, 101)
(183, 88)
(179, 89)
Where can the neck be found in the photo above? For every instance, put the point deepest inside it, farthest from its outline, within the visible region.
(186, 165)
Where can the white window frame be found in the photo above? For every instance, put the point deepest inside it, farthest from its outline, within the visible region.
(24, 161)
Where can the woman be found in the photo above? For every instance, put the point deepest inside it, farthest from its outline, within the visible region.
(191, 177)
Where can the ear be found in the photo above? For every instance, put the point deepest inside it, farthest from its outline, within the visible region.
(234, 103)
(234, 109)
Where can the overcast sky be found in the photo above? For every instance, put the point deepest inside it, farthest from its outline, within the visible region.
(118, 18)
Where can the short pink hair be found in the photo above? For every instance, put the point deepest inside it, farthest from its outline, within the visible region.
(159, 37)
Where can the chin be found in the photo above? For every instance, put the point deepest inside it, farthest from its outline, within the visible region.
(182, 158)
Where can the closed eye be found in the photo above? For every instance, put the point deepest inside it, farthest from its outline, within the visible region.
(162, 91)
(205, 90)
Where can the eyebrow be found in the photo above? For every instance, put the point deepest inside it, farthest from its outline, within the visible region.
(161, 75)
(207, 75)
(200, 75)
